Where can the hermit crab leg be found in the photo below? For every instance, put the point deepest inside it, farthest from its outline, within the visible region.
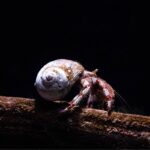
(109, 105)
(91, 99)
(86, 89)
(107, 92)
(77, 99)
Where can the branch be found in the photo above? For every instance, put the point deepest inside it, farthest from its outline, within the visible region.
(41, 125)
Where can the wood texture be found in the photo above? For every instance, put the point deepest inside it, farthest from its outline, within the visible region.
(34, 123)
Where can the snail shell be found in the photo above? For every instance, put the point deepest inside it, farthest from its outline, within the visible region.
(56, 78)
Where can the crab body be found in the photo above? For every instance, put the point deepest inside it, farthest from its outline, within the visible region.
(56, 78)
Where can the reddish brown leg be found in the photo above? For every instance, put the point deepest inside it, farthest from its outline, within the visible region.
(91, 100)
(109, 106)
(77, 99)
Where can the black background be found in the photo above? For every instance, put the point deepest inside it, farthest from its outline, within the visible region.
(109, 35)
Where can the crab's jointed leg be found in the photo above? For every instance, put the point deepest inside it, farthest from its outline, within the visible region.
(85, 92)
(107, 93)
(91, 100)
(77, 99)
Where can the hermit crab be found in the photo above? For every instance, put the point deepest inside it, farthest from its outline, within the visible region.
(56, 79)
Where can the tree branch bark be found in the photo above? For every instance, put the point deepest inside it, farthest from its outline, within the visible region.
(28, 122)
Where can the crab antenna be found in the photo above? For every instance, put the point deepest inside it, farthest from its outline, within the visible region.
(123, 100)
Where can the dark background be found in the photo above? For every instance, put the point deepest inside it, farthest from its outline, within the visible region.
(109, 35)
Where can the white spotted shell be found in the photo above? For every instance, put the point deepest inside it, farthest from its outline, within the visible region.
(56, 78)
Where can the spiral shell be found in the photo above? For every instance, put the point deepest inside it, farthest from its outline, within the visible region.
(56, 78)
